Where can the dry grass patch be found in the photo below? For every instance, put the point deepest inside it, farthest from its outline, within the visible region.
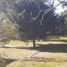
(36, 64)
(15, 64)
(21, 53)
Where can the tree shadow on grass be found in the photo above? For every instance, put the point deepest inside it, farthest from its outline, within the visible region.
(48, 48)
(45, 48)
(52, 48)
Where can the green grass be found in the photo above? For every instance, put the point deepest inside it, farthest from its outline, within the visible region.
(62, 38)
(36, 64)
(19, 43)
(22, 43)
(58, 38)
(59, 58)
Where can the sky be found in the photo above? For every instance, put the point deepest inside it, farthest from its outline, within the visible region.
(59, 9)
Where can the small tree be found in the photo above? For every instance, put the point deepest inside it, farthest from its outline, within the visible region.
(8, 30)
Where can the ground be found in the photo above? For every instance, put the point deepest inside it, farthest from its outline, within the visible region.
(47, 53)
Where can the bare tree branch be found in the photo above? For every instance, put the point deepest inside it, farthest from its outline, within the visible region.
(52, 3)
(64, 2)
(46, 11)
(21, 14)
(38, 12)
(61, 1)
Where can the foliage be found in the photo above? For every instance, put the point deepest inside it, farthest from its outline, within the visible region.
(33, 17)
(8, 30)
(64, 14)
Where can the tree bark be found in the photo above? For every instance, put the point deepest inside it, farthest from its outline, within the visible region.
(34, 45)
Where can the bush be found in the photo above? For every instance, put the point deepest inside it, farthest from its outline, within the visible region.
(2, 62)
(8, 30)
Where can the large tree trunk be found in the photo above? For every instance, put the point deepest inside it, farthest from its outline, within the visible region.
(34, 45)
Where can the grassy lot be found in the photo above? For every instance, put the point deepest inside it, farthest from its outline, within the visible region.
(27, 44)
(19, 43)
(57, 59)
(45, 56)
(58, 38)
(61, 37)
(36, 64)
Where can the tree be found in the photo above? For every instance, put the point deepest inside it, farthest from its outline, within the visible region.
(8, 30)
(64, 14)
(36, 19)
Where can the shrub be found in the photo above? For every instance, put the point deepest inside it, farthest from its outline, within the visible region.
(8, 30)
(2, 62)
